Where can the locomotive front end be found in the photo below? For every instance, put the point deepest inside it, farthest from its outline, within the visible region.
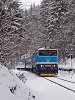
(47, 62)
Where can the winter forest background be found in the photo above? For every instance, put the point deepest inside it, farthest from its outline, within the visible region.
(50, 24)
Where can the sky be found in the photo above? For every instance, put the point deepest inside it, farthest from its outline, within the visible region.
(27, 3)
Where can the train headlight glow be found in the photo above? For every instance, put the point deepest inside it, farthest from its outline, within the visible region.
(41, 65)
(54, 65)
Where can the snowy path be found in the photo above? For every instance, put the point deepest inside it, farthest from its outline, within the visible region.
(50, 90)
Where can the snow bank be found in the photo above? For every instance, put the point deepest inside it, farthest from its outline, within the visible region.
(11, 87)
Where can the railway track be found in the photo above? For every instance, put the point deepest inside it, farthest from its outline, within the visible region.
(61, 84)
(65, 80)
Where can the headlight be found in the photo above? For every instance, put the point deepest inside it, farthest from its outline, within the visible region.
(54, 65)
(41, 65)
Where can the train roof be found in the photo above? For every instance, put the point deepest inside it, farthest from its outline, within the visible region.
(48, 48)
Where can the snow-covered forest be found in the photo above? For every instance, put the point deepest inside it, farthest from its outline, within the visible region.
(23, 31)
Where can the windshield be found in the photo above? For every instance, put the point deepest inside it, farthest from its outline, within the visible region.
(47, 52)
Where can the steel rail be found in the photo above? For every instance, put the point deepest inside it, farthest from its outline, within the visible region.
(60, 85)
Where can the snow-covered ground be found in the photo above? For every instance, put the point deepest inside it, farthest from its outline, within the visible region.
(33, 87)
(49, 90)
(11, 87)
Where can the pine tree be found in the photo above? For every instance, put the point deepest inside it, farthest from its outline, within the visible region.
(9, 25)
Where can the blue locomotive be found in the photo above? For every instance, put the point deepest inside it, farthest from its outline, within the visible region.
(44, 62)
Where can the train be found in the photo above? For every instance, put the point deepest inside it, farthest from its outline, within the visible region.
(43, 62)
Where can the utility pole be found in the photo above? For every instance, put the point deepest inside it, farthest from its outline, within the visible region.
(24, 58)
(71, 56)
